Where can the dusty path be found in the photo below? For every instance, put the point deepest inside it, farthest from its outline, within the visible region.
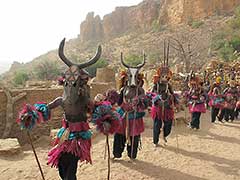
(211, 153)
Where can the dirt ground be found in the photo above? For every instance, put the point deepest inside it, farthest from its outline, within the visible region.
(213, 152)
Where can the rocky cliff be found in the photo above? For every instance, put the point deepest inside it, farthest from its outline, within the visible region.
(121, 20)
(182, 11)
(150, 13)
(143, 27)
(91, 28)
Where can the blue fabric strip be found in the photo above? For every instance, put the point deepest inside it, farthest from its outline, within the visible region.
(131, 115)
(60, 132)
(43, 108)
(83, 134)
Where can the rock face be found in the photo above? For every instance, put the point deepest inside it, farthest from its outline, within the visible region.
(91, 28)
(15, 66)
(149, 13)
(122, 19)
(9, 147)
(129, 18)
(182, 11)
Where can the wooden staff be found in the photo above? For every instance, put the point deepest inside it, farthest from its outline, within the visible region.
(132, 144)
(105, 151)
(163, 118)
(125, 116)
(35, 154)
(133, 128)
(108, 148)
(127, 129)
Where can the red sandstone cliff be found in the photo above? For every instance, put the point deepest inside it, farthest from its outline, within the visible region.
(121, 20)
(91, 28)
(180, 11)
(149, 12)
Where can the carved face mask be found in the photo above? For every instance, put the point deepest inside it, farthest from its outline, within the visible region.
(164, 79)
(72, 75)
(164, 74)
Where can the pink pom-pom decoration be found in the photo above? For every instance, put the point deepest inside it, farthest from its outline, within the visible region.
(106, 119)
(28, 117)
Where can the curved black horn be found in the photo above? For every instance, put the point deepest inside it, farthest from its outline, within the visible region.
(83, 65)
(191, 73)
(92, 60)
(61, 54)
(164, 52)
(167, 52)
(123, 63)
(144, 61)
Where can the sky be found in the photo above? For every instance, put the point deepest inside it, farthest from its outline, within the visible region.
(30, 28)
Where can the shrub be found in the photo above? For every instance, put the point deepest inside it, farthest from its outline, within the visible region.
(133, 60)
(155, 26)
(227, 41)
(20, 78)
(196, 24)
(226, 52)
(237, 11)
(99, 64)
(47, 70)
(235, 43)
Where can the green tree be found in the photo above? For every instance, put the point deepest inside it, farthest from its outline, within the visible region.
(133, 60)
(99, 64)
(20, 78)
(226, 42)
(47, 70)
(237, 12)
(196, 24)
(235, 43)
(226, 52)
(156, 26)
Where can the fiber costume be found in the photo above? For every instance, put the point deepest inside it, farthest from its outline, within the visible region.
(196, 101)
(132, 103)
(73, 141)
(163, 102)
(216, 101)
(230, 95)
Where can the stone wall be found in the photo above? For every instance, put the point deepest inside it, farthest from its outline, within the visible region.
(37, 95)
(104, 80)
(106, 74)
(33, 96)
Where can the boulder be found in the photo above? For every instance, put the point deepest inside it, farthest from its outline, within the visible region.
(105, 74)
(9, 146)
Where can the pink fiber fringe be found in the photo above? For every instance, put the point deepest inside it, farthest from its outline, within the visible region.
(156, 112)
(197, 108)
(80, 148)
(135, 128)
